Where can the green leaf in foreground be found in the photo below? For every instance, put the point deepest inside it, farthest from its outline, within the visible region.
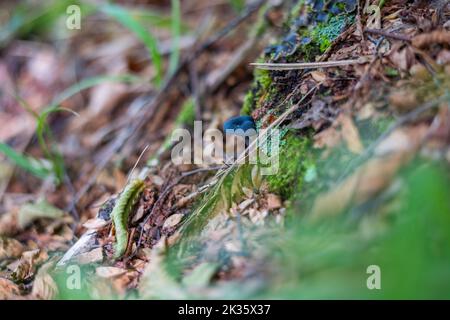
(31, 165)
(121, 212)
(92, 82)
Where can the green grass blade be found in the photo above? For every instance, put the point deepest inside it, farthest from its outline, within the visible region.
(176, 31)
(24, 162)
(43, 131)
(126, 19)
(238, 5)
(153, 18)
(92, 82)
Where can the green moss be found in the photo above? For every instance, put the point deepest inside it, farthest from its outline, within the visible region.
(186, 116)
(325, 33)
(391, 72)
(294, 161)
(248, 101)
(263, 78)
(261, 86)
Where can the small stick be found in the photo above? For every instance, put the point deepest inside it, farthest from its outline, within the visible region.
(304, 65)
(388, 34)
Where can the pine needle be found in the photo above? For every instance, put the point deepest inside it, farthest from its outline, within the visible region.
(304, 65)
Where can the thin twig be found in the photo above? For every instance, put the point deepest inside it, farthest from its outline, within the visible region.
(199, 170)
(388, 34)
(304, 65)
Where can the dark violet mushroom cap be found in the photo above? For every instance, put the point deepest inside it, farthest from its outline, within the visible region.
(243, 123)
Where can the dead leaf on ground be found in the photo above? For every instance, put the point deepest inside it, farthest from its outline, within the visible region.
(350, 134)
(44, 287)
(402, 58)
(273, 201)
(10, 248)
(95, 223)
(319, 76)
(8, 290)
(173, 220)
(28, 263)
(95, 255)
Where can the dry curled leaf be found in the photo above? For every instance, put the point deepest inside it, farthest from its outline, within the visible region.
(350, 134)
(402, 57)
(44, 287)
(95, 255)
(28, 263)
(319, 76)
(10, 248)
(8, 223)
(8, 289)
(173, 220)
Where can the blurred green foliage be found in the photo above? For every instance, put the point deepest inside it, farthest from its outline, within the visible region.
(409, 241)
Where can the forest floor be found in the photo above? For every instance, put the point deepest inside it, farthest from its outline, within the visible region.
(93, 205)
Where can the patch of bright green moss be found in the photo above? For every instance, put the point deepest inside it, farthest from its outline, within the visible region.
(246, 109)
(294, 161)
(261, 86)
(325, 33)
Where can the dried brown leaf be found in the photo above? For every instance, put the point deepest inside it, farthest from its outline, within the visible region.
(10, 248)
(28, 263)
(95, 255)
(173, 220)
(273, 201)
(350, 133)
(44, 287)
(319, 76)
(8, 289)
